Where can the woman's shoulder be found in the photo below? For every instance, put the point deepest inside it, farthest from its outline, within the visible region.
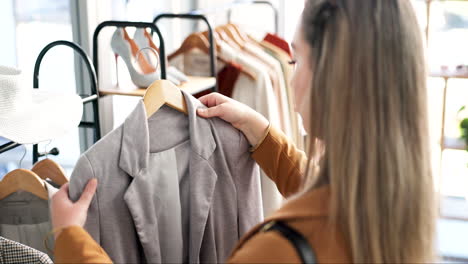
(266, 247)
(272, 247)
(307, 214)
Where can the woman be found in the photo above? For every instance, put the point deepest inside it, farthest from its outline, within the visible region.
(366, 195)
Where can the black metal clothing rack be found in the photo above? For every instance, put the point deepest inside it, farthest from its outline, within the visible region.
(92, 98)
(256, 2)
(8, 146)
(230, 6)
(114, 23)
(94, 71)
(203, 18)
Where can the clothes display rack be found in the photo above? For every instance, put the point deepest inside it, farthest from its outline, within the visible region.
(255, 2)
(194, 84)
(228, 8)
(203, 18)
(91, 98)
(114, 23)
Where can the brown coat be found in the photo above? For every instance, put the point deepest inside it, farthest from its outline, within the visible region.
(308, 214)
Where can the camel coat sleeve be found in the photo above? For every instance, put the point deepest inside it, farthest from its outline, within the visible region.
(75, 245)
(276, 155)
(282, 162)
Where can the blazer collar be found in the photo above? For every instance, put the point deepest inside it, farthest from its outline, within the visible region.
(134, 152)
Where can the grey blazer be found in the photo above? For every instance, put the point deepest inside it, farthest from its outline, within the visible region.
(224, 188)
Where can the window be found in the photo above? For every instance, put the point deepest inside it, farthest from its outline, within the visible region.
(28, 26)
(447, 42)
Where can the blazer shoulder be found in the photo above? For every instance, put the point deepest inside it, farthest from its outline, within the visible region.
(229, 137)
(108, 144)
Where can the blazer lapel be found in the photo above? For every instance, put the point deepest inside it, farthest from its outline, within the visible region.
(144, 206)
(140, 199)
(202, 175)
(202, 184)
(142, 202)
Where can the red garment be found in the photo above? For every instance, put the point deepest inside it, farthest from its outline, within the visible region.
(227, 78)
(279, 42)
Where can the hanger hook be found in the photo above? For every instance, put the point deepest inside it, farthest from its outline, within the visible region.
(22, 158)
(155, 53)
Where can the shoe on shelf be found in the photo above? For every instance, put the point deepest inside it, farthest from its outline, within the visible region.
(142, 73)
(143, 39)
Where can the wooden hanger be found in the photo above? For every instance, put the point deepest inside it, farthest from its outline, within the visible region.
(242, 34)
(200, 41)
(21, 179)
(224, 37)
(233, 35)
(216, 39)
(48, 168)
(193, 41)
(163, 92)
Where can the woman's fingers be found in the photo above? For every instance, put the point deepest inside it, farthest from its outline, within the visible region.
(62, 193)
(88, 193)
(214, 111)
(213, 99)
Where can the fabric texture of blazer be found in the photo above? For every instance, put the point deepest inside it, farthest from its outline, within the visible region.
(307, 213)
(223, 179)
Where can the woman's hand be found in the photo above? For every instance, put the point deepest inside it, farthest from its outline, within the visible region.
(65, 213)
(242, 117)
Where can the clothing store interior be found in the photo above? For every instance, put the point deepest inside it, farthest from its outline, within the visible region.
(188, 114)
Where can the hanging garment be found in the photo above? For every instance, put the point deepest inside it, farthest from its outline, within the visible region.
(25, 219)
(12, 252)
(278, 42)
(299, 135)
(137, 215)
(279, 86)
(257, 93)
(226, 79)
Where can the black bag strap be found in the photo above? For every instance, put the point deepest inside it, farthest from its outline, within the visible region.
(303, 248)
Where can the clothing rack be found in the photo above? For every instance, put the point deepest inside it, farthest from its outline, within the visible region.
(8, 146)
(256, 2)
(191, 16)
(230, 6)
(114, 23)
(194, 85)
(92, 98)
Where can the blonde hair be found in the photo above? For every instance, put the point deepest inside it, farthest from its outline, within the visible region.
(368, 109)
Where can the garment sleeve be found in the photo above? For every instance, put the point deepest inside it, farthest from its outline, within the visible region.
(82, 173)
(75, 245)
(249, 200)
(281, 161)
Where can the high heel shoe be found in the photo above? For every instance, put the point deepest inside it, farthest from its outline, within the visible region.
(143, 39)
(141, 72)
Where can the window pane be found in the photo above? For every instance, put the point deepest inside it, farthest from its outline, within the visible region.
(448, 35)
(31, 25)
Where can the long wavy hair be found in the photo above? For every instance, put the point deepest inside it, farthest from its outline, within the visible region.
(368, 102)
